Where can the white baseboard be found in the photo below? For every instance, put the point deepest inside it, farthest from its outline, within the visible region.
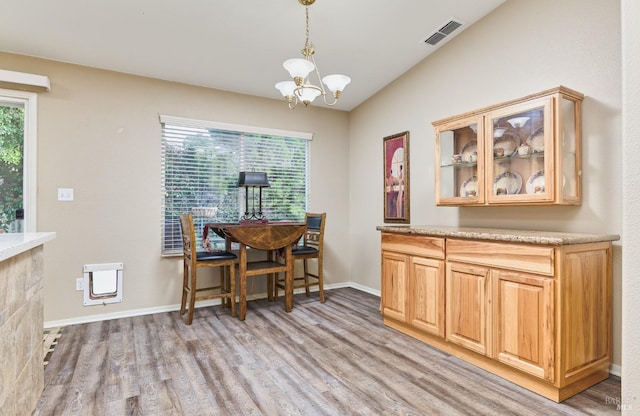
(616, 370)
(176, 307)
(116, 315)
(364, 289)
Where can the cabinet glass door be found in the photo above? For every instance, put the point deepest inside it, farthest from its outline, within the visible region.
(520, 150)
(460, 160)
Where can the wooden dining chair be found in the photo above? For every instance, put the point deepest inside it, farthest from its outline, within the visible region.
(311, 248)
(193, 260)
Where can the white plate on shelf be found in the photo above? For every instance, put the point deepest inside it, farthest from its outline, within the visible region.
(536, 140)
(535, 183)
(469, 187)
(507, 183)
(470, 147)
(508, 142)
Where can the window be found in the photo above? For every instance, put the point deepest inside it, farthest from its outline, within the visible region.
(17, 158)
(200, 165)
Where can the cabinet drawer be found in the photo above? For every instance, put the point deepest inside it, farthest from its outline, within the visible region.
(416, 245)
(526, 258)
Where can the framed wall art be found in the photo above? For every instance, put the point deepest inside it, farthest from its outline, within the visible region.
(396, 177)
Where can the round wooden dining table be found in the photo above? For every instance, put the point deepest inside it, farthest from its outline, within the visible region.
(269, 236)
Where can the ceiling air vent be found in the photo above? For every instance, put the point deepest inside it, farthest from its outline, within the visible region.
(443, 32)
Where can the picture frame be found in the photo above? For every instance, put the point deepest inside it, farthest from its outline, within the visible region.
(395, 158)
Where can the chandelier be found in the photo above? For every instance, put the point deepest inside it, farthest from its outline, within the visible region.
(301, 89)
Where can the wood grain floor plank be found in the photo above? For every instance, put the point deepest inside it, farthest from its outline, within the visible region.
(336, 358)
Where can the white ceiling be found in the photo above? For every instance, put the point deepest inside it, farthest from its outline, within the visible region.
(235, 45)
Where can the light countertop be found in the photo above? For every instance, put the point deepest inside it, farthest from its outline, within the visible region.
(12, 244)
(504, 235)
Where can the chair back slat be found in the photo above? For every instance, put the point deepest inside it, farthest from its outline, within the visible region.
(313, 238)
(188, 236)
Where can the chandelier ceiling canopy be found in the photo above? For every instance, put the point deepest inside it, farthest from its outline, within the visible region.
(301, 89)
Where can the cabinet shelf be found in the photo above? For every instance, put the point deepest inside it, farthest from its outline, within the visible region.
(527, 156)
(460, 165)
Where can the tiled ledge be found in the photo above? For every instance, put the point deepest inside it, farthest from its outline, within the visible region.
(21, 321)
(504, 235)
(13, 244)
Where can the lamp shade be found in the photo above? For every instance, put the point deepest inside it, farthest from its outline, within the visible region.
(286, 88)
(298, 67)
(336, 82)
(258, 179)
(309, 93)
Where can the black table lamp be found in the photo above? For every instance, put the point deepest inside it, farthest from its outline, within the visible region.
(253, 180)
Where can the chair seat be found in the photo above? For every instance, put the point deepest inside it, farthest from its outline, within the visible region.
(214, 255)
(304, 250)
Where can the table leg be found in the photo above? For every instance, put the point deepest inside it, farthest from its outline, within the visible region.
(288, 280)
(270, 278)
(227, 279)
(242, 276)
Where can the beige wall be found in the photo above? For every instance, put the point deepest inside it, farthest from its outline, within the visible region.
(99, 134)
(631, 209)
(520, 48)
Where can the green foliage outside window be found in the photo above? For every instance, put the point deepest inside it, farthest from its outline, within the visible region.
(200, 170)
(11, 163)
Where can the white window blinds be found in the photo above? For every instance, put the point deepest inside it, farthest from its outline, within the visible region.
(200, 165)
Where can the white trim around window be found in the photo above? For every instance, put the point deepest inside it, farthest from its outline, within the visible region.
(234, 127)
(30, 102)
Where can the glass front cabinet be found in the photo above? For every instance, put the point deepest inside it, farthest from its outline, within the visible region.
(521, 152)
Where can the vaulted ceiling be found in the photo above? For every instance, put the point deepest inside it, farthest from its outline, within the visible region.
(236, 45)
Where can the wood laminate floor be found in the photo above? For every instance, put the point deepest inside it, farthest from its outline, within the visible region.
(335, 358)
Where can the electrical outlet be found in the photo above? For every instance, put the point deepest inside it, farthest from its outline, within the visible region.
(80, 283)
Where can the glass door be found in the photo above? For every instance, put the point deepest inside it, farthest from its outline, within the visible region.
(520, 150)
(459, 163)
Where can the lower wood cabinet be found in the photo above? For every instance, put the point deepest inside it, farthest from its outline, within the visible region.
(413, 287)
(467, 309)
(523, 322)
(426, 295)
(537, 315)
(395, 289)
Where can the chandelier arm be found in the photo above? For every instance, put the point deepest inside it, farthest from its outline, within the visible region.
(322, 90)
(334, 102)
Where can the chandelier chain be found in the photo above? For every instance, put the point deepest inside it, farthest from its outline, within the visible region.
(308, 46)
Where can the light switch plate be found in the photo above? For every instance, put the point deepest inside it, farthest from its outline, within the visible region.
(65, 194)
